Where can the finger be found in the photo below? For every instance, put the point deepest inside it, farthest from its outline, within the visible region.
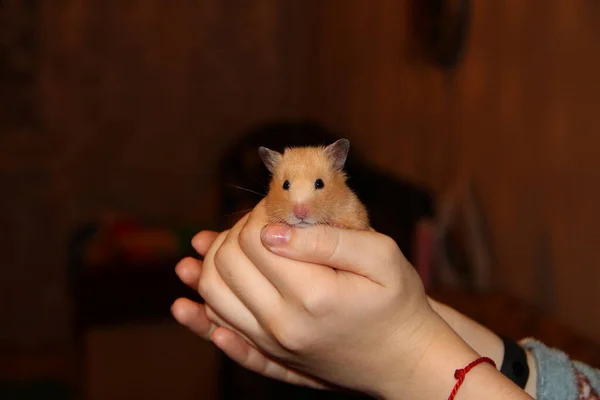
(189, 270)
(291, 278)
(203, 240)
(245, 280)
(222, 300)
(218, 321)
(250, 358)
(192, 315)
(213, 317)
(365, 253)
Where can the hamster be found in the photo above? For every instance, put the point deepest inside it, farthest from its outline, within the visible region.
(308, 187)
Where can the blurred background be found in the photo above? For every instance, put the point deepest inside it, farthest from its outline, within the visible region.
(124, 123)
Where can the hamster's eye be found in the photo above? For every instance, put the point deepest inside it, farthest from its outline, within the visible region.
(319, 184)
(286, 185)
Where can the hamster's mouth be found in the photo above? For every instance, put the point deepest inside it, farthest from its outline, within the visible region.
(301, 223)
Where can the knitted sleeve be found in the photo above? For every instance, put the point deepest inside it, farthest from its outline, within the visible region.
(561, 378)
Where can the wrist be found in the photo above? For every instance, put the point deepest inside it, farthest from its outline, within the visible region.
(483, 340)
(437, 351)
(477, 336)
(434, 375)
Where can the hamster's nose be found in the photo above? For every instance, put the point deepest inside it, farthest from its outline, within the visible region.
(300, 211)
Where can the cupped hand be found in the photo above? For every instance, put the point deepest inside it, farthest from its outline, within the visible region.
(340, 305)
(194, 316)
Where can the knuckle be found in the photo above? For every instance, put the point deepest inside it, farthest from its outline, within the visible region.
(220, 258)
(246, 238)
(392, 257)
(204, 287)
(322, 244)
(390, 248)
(290, 337)
(317, 302)
(224, 259)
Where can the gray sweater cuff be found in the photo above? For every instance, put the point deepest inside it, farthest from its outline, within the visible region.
(556, 378)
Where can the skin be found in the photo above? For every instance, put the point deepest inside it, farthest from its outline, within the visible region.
(281, 310)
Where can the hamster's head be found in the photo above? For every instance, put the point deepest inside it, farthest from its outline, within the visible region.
(308, 184)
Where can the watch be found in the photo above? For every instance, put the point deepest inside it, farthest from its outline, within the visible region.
(514, 365)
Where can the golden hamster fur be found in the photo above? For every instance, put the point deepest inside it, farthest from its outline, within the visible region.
(308, 186)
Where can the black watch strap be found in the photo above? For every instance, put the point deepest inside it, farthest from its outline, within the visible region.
(514, 364)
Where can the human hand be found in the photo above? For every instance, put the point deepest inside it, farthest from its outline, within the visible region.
(193, 316)
(344, 306)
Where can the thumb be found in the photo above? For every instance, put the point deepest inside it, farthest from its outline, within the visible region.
(368, 253)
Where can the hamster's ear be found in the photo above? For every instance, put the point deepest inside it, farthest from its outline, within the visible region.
(270, 158)
(338, 152)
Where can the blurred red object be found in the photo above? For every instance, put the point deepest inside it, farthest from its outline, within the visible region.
(130, 242)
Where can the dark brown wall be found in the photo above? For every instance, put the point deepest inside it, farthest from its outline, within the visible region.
(519, 117)
(136, 100)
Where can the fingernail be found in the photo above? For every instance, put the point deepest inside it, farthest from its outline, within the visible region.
(276, 235)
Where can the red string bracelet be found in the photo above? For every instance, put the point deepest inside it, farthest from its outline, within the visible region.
(460, 374)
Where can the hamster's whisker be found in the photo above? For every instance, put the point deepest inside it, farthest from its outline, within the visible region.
(247, 190)
(238, 212)
(261, 184)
